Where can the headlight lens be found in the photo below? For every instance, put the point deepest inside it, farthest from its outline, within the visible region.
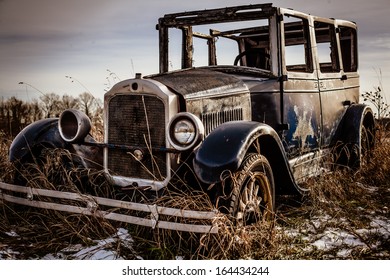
(185, 131)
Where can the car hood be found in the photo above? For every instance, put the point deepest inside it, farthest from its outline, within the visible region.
(199, 82)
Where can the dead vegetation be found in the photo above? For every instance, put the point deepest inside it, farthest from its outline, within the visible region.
(345, 216)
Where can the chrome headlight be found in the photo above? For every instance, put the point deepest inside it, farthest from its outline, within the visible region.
(74, 125)
(185, 131)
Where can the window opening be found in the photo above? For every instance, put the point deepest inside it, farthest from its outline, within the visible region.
(297, 49)
(348, 43)
(326, 47)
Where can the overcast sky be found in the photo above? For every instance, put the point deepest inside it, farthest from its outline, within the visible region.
(43, 41)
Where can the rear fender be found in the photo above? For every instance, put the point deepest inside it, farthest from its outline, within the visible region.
(349, 134)
(355, 117)
(225, 148)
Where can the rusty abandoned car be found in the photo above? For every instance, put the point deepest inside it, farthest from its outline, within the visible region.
(249, 101)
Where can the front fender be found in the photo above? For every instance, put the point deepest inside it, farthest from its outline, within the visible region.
(43, 132)
(225, 147)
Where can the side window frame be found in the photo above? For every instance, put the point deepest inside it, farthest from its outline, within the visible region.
(325, 33)
(305, 66)
(348, 47)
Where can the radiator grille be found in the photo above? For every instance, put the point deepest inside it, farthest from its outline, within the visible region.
(131, 120)
(214, 119)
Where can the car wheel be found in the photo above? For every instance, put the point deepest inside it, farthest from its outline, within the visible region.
(253, 191)
(361, 155)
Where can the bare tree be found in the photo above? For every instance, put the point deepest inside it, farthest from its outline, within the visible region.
(34, 111)
(50, 104)
(97, 121)
(14, 115)
(68, 101)
(88, 104)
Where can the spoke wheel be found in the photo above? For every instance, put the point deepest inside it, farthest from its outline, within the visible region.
(253, 191)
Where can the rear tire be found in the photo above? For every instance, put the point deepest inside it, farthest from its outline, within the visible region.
(361, 154)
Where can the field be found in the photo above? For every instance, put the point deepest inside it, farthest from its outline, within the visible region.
(345, 216)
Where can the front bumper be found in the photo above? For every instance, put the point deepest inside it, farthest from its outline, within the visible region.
(195, 221)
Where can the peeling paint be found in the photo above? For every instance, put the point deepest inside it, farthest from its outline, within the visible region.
(304, 129)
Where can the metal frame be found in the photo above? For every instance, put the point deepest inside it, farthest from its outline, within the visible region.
(92, 203)
(186, 20)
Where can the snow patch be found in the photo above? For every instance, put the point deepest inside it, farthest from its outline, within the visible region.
(333, 238)
(102, 250)
(8, 253)
(11, 233)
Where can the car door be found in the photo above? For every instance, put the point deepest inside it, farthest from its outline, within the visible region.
(301, 99)
(347, 38)
(331, 78)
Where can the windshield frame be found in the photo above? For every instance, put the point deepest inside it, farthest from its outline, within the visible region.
(187, 20)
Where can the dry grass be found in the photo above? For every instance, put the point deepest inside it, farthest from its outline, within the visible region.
(345, 200)
(348, 201)
(40, 231)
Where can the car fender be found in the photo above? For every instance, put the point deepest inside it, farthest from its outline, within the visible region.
(46, 133)
(43, 132)
(347, 139)
(355, 116)
(226, 146)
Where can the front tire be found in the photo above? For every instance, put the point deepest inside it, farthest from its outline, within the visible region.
(253, 191)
